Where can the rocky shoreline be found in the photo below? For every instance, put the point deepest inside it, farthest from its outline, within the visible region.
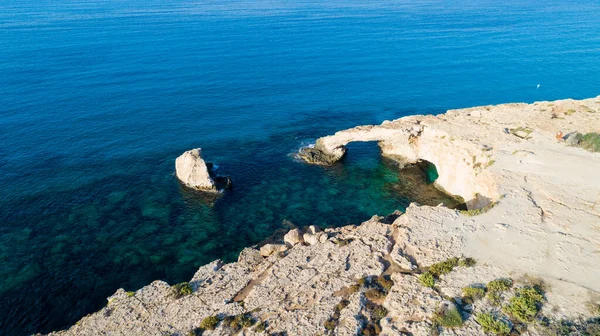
(522, 259)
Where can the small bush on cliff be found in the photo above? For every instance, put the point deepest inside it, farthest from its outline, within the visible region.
(472, 294)
(591, 142)
(492, 325)
(241, 321)
(130, 294)
(450, 318)
(525, 305)
(181, 289)
(378, 312)
(260, 326)
(330, 324)
(495, 288)
(209, 323)
(371, 329)
(594, 308)
(467, 262)
(426, 279)
(443, 267)
(341, 305)
(499, 285)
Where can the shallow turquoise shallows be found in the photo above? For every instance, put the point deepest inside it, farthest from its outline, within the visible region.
(98, 98)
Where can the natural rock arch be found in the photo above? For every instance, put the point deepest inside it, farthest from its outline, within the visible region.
(408, 140)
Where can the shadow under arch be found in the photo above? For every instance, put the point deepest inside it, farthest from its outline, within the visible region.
(414, 182)
(417, 182)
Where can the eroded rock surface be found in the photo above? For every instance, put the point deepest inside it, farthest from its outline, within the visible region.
(545, 226)
(193, 172)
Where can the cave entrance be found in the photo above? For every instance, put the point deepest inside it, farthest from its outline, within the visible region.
(416, 182)
(429, 171)
(411, 183)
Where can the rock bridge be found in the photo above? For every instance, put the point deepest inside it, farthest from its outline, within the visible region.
(408, 140)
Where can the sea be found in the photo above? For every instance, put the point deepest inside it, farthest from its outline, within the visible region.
(98, 98)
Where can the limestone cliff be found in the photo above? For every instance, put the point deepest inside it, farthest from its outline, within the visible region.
(538, 224)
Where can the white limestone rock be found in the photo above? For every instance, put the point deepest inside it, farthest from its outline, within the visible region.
(293, 237)
(193, 172)
(268, 249)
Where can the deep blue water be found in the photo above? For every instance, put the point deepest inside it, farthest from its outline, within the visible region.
(97, 98)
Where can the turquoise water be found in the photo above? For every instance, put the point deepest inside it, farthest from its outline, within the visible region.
(97, 98)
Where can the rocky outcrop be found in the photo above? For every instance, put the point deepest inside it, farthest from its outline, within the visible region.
(193, 172)
(461, 144)
(293, 237)
(544, 226)
(268, 249)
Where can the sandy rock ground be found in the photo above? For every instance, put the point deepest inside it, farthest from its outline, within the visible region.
(543, 227)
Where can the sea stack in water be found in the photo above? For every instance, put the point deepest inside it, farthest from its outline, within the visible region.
(194, 172)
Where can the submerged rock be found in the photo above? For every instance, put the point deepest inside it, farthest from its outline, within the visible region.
(316, 155)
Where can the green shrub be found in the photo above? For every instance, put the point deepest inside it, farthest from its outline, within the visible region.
(181, 289)
(467, 262)
(499, 285)
(209, 323)
(450, 318)
(492, 325)
(379, 312)
(495, 288)
(240, 321)
(594, 308)
(591, 142)
(371, 329)
(130, 294)
(593, 329)
(341, 305)
(260, 327)
(472, 294)
(443, 267)
(426, 279)
(525, 305)
(330, 324)
(494, 297)
(547, 327)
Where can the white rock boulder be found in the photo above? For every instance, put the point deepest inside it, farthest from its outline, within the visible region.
(268, 249)
(193, 171)
(293, 237)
